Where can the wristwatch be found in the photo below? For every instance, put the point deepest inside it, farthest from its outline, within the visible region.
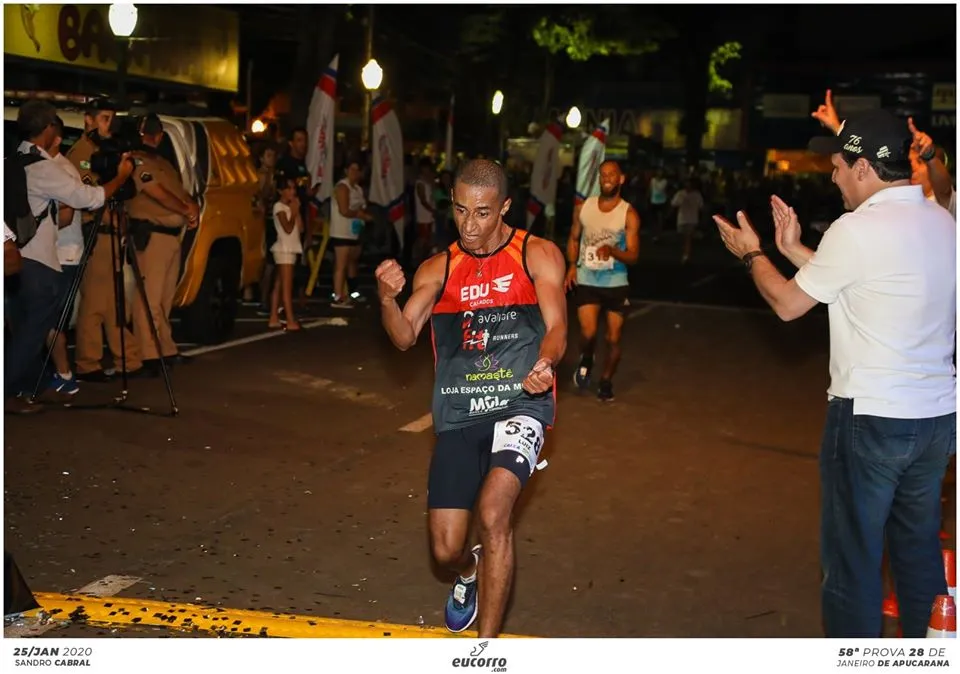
(748, 258)
(930, 154)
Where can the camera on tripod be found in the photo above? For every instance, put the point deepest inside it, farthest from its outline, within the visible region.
(105, 162)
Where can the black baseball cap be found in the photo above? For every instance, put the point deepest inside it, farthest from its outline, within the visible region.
(100, 104)
(876, 135)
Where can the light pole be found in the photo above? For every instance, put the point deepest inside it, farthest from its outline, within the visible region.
(368, 57)
(372, 78)
(123, 21)
(497, 104)
(496, 107)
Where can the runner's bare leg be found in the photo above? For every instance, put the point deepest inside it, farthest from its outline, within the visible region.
(495, 513)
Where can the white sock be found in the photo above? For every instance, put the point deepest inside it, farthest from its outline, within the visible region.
(68, 376)
(475, 569)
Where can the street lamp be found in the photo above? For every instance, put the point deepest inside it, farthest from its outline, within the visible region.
(497, 104)
(123, 21)
(258, 126)
(372, 75)
(574, 117)
(372, 78)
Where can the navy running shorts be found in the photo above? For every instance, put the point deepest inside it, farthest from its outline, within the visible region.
(463, 457)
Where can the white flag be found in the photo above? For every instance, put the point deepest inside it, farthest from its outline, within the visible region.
(323, 108)
(448, 163)
(386, 175)
(546, 173)
(591, 156)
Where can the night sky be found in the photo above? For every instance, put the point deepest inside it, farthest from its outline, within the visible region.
(418, 45)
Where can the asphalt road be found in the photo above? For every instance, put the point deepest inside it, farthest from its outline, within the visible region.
(688, 507)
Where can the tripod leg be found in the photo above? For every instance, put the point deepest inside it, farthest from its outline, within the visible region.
(120, 300)
(142, 289)
(88, 247)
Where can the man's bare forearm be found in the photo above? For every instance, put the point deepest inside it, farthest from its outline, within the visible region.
(770, 283)
(625, 256)
(397, 326)
(554, 345)
(798, 255)
(940, 181)
(172, 202)
(573, 251)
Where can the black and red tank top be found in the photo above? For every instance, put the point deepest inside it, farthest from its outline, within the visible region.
(487, 331)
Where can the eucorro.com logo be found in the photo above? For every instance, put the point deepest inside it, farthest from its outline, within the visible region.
(476, 659)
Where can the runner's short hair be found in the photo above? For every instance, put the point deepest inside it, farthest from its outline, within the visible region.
(484, 173)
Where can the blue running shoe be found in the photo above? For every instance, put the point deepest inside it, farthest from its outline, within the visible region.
(581, 376)
(66, 386)
(461, 608)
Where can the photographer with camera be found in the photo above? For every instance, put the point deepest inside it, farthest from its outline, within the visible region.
(157, 215)
(48, 184)
(97, 309)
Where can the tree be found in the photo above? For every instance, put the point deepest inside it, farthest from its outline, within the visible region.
(703, 57)
(581, 37)
(718, 84)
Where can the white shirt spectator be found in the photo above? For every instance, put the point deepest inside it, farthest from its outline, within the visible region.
(887, 272)
(47, 181)
(658, 191)
(424, 216)
(70, 238)
(688, 204)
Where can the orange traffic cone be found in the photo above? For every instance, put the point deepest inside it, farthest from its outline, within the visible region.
(890, 607)
(950, 571)
(943, 618)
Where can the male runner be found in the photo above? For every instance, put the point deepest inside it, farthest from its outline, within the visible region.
(604, 239)
(499, 318)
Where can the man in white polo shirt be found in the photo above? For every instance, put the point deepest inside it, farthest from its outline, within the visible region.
(887, 271)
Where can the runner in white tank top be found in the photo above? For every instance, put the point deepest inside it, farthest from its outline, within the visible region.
(604, 239)
(347, 217)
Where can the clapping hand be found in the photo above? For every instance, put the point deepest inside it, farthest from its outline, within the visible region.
(786, 224)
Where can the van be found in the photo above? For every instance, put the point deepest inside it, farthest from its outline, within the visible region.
(226, 251)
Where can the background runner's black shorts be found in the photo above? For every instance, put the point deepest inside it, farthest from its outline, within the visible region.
(609, 299)
(461, 460)
(337, 243)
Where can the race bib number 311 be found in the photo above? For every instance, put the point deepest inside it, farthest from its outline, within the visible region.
(520, 434)
(593, 261)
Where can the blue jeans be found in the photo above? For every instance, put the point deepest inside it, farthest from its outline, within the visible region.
(879, 477)
(68, 276)
(38, 304)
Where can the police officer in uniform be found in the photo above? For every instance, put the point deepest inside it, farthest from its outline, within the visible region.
(157, 216)
(97, 306)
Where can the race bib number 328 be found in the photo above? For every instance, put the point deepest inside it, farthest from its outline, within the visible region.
(522, 435)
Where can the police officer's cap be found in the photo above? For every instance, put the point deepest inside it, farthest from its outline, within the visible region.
(100, 104)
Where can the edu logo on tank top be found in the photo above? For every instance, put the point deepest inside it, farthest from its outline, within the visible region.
(478, 293)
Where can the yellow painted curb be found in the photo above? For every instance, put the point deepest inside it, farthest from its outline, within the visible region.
(124, 611)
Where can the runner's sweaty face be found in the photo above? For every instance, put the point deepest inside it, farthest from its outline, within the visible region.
(610, 179)
(478, 211)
